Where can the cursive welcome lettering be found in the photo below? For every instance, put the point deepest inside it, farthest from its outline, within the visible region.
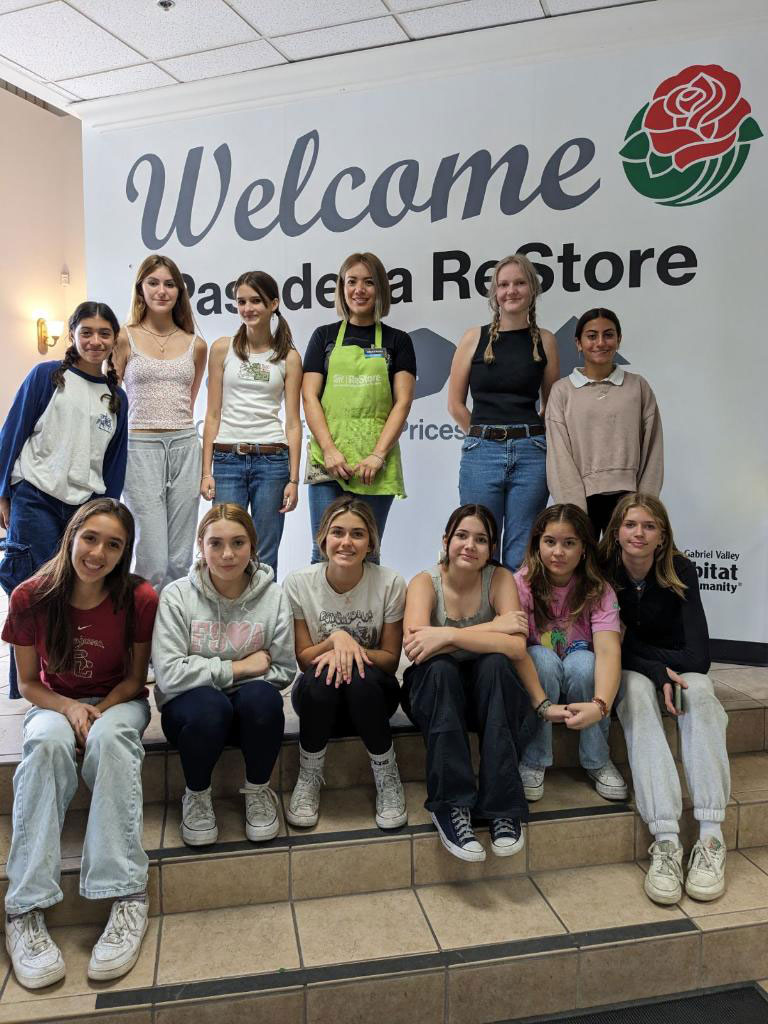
(392, 196)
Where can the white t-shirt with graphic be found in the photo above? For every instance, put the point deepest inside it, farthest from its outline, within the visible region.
(379, 597)
(251, 396)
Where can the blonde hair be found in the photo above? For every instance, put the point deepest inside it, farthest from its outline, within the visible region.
(348, 503)
(232, 513)
(182, 309)
(664, 556)
(380, 280)
(534, 286)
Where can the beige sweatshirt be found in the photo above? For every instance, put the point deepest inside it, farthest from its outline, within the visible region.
(603, 437)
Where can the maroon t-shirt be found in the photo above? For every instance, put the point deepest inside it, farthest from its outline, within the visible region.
(98, 636)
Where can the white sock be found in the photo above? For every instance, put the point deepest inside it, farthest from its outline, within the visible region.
(310, 760)
(711, 830)
(670, 837)
(380, 760)
(206, 790)
(254, 787)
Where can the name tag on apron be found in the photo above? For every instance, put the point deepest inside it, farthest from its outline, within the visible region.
(377, 353)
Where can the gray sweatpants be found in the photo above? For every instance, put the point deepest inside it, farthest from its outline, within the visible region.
(702, 750)
(162, 490)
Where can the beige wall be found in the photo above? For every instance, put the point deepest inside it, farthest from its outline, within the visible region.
(41, 231)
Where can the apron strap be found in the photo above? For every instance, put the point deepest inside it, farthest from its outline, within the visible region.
(343, 330)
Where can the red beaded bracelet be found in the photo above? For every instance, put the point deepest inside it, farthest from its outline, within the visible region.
(602, 705)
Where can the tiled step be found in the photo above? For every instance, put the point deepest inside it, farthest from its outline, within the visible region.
(462, 952)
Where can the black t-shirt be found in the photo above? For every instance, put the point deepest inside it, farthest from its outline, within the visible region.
(505, 392)
(397, 345)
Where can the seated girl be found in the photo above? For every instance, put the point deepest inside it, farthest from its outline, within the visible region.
(348, 622)
(665, 656)
(222, 651)
(573, 640)
(465, 635)
(81, 630)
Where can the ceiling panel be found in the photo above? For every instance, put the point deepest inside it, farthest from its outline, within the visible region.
(571, 6)
(274, 19)
(471, 14)
(115, 83)
(16, 5)
(227, 61)
(359, 36)
(189, 26)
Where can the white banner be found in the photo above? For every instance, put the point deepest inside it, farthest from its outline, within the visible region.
(652, 207)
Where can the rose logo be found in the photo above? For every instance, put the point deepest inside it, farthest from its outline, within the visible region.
(692, 139)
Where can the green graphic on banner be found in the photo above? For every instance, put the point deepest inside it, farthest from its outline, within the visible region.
(692, 139)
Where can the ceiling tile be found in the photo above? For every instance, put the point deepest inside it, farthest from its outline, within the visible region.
(570, 6)
(358, 36)
(274, 19)
(396, 6)
(17, 5)
(471, 14)
(226, 61)
(56, 42)
(189, 26)
(113, 83)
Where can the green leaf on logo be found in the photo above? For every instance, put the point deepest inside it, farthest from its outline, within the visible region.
(663, 187)
(749, 130)
(637, 122)
(636, 147)
(659, 164)
(732, 162)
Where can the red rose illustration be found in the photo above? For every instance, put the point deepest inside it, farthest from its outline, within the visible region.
(695, 115)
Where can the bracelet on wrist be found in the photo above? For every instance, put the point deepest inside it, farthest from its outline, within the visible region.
(541, 709)
(382, 458)
(602, 705)
(293, 481)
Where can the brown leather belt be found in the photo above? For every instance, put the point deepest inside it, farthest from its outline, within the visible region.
(505, 433)
(251, 449)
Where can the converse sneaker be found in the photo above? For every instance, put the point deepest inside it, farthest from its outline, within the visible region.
(198, 822)
(454, 826)
(609, 782)
(664, 881)
(36, 959)
(261, 819)
(390, 796)
(506, 836)
(533, 782)
(304, 808)
(706, 870)
(118, 948)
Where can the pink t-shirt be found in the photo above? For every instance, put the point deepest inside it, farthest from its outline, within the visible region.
(562, 632)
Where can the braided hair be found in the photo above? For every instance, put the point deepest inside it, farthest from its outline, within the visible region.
(534, 287)
(71, 356)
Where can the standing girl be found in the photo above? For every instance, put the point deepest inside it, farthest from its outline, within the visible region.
(161, 363)
(64, 441)
(245, 455)
(666, 649)
(507, 366)
(573, 640)
(222, 651)
(359, 376)
(348, 622)
(603, 427)
(81, 629)
(464, 634)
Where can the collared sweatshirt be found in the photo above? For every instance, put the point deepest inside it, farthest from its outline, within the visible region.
(198, 633)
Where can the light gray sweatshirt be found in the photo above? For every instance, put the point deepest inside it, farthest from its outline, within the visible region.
(198, 633)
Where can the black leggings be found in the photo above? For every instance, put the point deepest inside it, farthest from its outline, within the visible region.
(362, 707)
(600, 509)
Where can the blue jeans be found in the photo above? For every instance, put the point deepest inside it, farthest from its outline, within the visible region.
(114, 862)
(256, 482)
(574, 677)
(510, 479)
(35, 530)
(321, 496)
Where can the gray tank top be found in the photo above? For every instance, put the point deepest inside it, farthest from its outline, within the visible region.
(484, 613)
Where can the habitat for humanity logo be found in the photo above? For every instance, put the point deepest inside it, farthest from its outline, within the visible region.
(692, 139)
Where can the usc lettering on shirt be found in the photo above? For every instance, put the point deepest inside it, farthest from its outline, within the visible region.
(211, 637)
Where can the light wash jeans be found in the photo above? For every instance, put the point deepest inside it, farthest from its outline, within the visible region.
(162, 490)
(702, 750)
(510, 479)
(574, 677)
(114, 862)
(320, 497)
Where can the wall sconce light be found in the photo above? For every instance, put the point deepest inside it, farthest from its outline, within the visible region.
(48, 333)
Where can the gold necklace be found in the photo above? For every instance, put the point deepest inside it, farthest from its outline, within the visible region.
(157, 337)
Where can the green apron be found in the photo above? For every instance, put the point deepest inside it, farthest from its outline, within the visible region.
(357, 400)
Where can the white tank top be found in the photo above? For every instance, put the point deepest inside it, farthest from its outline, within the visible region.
(251, 396)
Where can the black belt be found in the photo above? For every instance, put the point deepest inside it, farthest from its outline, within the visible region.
(251, 449)
(505, 433)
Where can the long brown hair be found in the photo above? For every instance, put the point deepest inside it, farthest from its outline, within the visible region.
(85, 311)
(480, 512)
(664, 556)
(534, 286)
(182, 308)
(589, 581)
(266, 288)
(232, 513)
(54, 582)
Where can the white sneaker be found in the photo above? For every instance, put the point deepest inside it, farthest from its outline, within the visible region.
(36, 959)
(664, 881)
(609, 782)
(261, 818)
(198, 822)
(533, 782)
(390, 796)
(120, 943)
(706, 870)
(304, 808)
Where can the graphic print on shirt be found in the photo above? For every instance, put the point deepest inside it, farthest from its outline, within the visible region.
(253, 371)
(104, 422)
(83, 665)
(213, 637)
(356, 623)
